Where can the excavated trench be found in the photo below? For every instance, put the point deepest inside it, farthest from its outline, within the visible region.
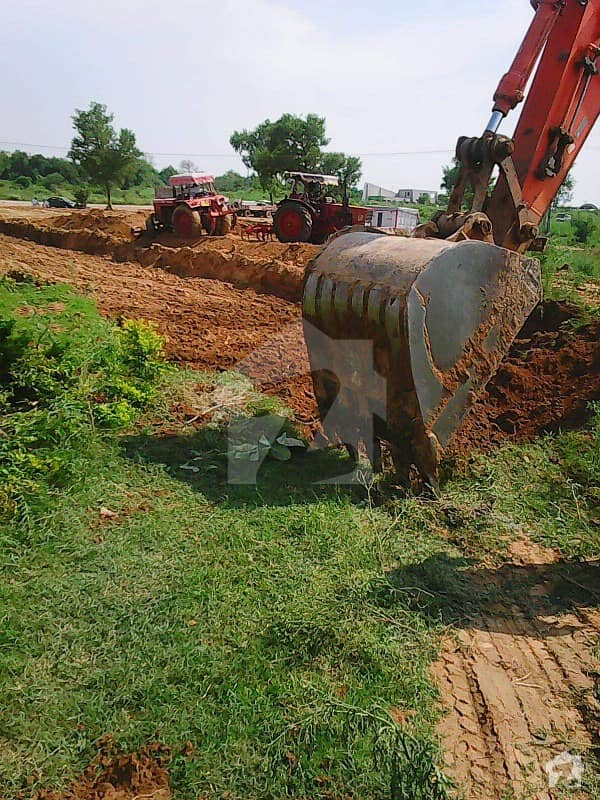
(227, 303)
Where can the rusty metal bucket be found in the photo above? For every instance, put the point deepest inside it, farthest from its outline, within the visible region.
(403, 335)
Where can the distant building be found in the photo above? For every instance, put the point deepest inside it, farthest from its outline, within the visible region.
(394, 219)
(374, 192)
(415, 195)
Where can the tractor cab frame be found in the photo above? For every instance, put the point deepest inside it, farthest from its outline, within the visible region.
(189, 205)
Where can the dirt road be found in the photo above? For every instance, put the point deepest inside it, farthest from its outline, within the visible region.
(520, 679)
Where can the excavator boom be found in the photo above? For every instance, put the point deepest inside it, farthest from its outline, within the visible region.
(440, 311)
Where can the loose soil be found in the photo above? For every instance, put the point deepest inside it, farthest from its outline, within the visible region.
(519, 681)
(269, 267)
(120, 777)
(546, 383)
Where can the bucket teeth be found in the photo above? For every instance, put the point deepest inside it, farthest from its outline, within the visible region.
(404, 334)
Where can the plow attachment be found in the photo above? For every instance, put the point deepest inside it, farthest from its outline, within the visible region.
(404, 334)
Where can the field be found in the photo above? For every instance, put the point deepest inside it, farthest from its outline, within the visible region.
(166, 633)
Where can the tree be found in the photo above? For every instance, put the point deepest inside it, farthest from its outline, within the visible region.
(293, 143)
(347, 168)
(166, 173)
(187, 165)
(565, 193)
(231, 181)
(105, 156)
(450, 176)
(290, 143)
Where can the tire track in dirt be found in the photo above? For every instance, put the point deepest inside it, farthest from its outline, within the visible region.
(519, 682)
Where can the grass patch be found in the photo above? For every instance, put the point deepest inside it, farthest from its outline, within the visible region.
(285, 629)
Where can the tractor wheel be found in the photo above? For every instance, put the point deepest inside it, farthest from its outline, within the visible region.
(292, 223)
(186, 222)
(223, 226)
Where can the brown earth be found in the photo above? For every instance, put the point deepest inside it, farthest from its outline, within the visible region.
(269, 267)
(120, 777)
(549, 378)
(546, 383)
(208, 324)
(519, 681)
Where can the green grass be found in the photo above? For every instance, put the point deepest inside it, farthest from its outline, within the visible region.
(285, 629)
(136, 195)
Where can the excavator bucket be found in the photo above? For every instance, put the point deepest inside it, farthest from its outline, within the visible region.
(403, 335)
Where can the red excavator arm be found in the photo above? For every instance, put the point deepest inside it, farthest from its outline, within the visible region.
(560, 110)
(404, 333)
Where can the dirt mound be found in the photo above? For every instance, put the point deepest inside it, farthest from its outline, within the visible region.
(120, 777)
(96, 220)
(269, 267)
(546, 383)
(519, 682)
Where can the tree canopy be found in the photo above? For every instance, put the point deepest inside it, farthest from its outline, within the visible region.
(104, 156)
(292, 143)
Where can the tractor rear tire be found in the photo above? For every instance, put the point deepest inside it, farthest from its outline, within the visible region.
(292, 222)
(186, 222)
(223, 226)
(209, 223)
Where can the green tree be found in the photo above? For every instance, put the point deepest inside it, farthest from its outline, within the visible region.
(450, 176)
(565, 193)
(347, 168)
(4, 164)
(166, 173)
(105, 156)
(289, 143)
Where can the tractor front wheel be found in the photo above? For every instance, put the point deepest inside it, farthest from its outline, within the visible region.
(223, 226)
(292, 222)
(186, 222)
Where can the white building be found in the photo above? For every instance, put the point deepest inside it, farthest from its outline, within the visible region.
(372, 190)
(394, 218)
(415, 195)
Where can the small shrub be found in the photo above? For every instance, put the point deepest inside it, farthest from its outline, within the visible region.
(82, 195)
(53, 181)
(584, 227)
(22, 182)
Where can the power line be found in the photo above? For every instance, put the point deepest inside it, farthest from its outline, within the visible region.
(235, 155)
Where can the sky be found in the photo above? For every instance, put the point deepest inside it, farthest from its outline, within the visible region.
(398, 82)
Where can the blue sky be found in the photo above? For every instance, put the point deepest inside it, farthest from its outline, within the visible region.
(389, 76)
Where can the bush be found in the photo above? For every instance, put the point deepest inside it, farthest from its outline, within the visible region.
(22, 182)
(62, 373)
(584, 227)
(53, 181)
(82, 196)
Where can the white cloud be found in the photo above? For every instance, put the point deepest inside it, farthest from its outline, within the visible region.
(185, 75)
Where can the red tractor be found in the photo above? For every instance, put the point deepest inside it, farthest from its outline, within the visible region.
(308, 214)
(189, 205)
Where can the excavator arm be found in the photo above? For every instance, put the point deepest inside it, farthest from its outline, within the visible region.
(403, 334)
(560, 110)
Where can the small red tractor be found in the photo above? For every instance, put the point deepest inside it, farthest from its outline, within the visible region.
(308, 214)
(189, 205)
